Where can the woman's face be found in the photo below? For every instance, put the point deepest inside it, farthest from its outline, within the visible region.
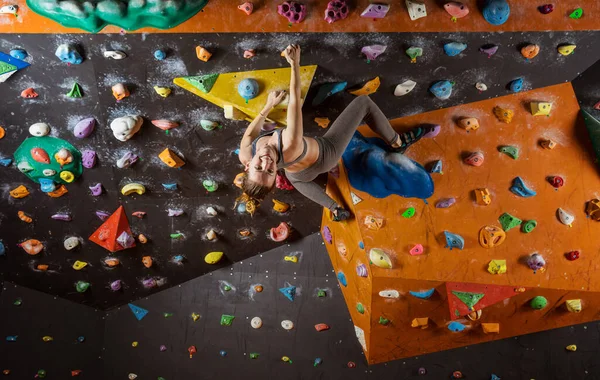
(262, 168)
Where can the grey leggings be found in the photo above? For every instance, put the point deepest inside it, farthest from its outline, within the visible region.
(335, 141)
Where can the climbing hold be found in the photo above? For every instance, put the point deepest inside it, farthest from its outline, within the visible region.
(437, 167)
(281, 232)
(373, 223)
(115, 285)
(574, 306)
(322, 122)
(132, 376)
(375, 11)
(32, 246)
(361, 270)
(577, 13)
(491, 328)
(208, 125)
(256, 323)
(592, 209)
(497, 267)
(417, 249)
(171, 158)
(454, 48)
(454, 241)
(342, 278)
(65, 217)
(373, 51)
(248, 89)
(336, 10)
(327, 235)
(47, 185)
(82, 286)
(79, 265)
(423, 294)
(88, 159)
(572, 256)
(496, 12)
(571, 347)
(294, 12)
(12, 338)
(84, 127)
(227, 320)
(516, 85)
(131, 188)
(483, 196)
(445, 203)
(39, 130)
(565, 218)
(165, 125)
(24, 217)
(528, 226)
(422, 323)
(48, 172)
(456, 327)
(29, 93)
(548, 144)
(126, 126)
(491, 236)
(511, 151)
(468, 298)
(68, 54)
(556, 181)
(114, 54)
(102, 215)
(280, 206)
(468, 123)
(474, 159)
(422, 371)
(379, 258)
(160, 55)
(327, 90)
(192, 350)
(409, 213)
(287, 324)
(247, 8)
(536, 262)
(546, 8)
(566, 49)
(195, 316)
(203, 54)
(147, 261)
(169, 186)
(71, 243)
(6, 162)
(125, 240)
(291, 258)
(368, 88)
(416, 9)
(441, 89)
(211, 235)
(456, 10)
(213, 257)
(250, 53)
(489, 50)
(504, 115)
(63, 157)
(120, 91)
(519, 188)
(481, 86)
(321, 327)
(530, 51)
(127, 160)
(162, 91)
(508, 221)
(404, 88)
(211, 211)
(413, 52)
(18, 54)
(384, 321)
(75, 91)
(210, 185)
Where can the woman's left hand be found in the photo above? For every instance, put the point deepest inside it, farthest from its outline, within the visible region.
(275, 97)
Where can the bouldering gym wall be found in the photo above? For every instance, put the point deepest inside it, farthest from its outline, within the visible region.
(123, 251)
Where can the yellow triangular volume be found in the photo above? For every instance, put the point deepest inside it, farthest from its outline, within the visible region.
(223, 91)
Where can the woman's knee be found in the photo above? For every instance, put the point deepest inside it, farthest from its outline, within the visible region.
(362, 100)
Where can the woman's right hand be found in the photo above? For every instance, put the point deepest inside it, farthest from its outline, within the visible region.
(275, 97)
(292, 54)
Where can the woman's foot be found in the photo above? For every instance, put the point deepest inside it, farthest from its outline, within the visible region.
(339, 214)
(406, 139)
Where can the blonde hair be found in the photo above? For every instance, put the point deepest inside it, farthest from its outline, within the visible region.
(253, 194)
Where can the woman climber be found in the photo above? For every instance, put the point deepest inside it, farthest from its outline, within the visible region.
(304, 158)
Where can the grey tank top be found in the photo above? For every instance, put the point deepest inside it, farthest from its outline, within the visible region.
(281, 164)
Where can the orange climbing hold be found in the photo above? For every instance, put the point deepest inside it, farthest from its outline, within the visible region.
(24, 217)
(106, 235)
(59, 192)
(239, 179)
(369, 88)
(203, 54)
(142, 238)
(247, 8)
(32, 246)
(530, 51)
(503, 114)
(491, 328)
(111, 262)
(171, 158)
(423, 323)
(29, 93)
(42, 267)
(2, 133)
(469, 123)
(19, 192)
(281, 232)
(147, 261)
(322, 122)
(280, 206)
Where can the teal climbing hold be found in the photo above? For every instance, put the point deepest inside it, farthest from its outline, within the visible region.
(423, 294)
(508, 221)
(327, 90)
(342, 278)
(289, 292)
(511, 151)
(456, 326)
(468, 298)
(516, 85)
(138, 311)
(454, 48)
(519, 188)
(454, 240)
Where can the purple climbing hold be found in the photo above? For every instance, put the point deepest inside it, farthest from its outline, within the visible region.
(434, 130)
(115, 285)
(489, 50)
(127, 160)
(96, 189)
(88, 159)
(361, 270)
(103, 215)
(64, 217)
(373, 51)
(126, 240)
(149, 283)
(445, 203)
(175, 212)
(327, 235)
(293, 11)
(336, 10)
(84, 128)
(162, 348)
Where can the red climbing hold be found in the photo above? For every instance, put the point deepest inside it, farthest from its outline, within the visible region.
(281, 232)
(351, 365)
(597, 106)
(29, 93)
(283, 183)
(572, 256)
(321, 327)
(40, 155)
(106, 235)
(556, 181)
(546, 8)
(192, 350)
(75, 372)
(457, 375)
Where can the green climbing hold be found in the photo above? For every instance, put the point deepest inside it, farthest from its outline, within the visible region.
(226, 288)
(161, 378)
(468, 298)
(227, 320)
(384, 321)
(511, 151)
(508, 221)
(75, 91)
(82, 286)
(176, 236)
(167, 315)
(413, 52)
(360, 308)
(538, 302)
(210, 185)
(254, 355)
(577, 13)
(41, 373)
(204, 83)
(409, 213)
(528, 226)
(18, 302)
(457, 313)
(321, 293)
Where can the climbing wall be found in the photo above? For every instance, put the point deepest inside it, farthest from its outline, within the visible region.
(385, 288)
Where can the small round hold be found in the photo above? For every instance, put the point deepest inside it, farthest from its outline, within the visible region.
(258, 288)
(18, 54)
(256, 323)
(211, 211)
(160, 55)
(134, 344)
(422, 371)
(571, 347)
(481, 86)
(142, 238)
(287, 324)
(572, 256)
(457, 375)
(39, 129)
(351, 365)
(162, 348)
(48, 172)
(71, 243)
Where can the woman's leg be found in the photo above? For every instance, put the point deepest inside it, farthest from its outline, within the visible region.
(317, 194)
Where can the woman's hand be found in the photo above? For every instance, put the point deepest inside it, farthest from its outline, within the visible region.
(275, 97)
(292, 55)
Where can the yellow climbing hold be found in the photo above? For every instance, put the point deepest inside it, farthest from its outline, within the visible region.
(79, 265)
(571, 347)
(483, 196)
(293, 259)
(19, 192)
(540, 108)
(162, 91)
(574, 306)
(567, 49)
(131, 188)
(379, 258)
(280, 206)
(497, 266)
(134, 344)
(195, 317)
(369, 88)
(47, 338)
(213, 257)
(67, 176)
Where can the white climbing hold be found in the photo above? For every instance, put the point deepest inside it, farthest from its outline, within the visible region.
(114, 54)
(481, 86)
(565, 218)
(404, 88)
(287, 324)
(389, 293)
(39, 129)
(416, 9)
(71, 243)
(126, 126)
(9, 9)
(256, 323)
(211, 211)
(48, 172)
(355, 198)
(360, 335)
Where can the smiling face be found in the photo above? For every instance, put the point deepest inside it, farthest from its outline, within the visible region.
(262, 169)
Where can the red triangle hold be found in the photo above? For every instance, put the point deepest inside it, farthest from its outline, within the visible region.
(493, 295)
(106, 235)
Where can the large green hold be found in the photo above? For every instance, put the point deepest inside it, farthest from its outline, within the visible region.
(93, 15)
(469, 299)
(538, 302)
(508, 221)
(593, 127)
(203, 82)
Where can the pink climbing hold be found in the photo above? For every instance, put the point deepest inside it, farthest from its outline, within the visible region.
(295, 12)
(373, 51)
(597, 106)
(283, 183)
(456, 9)
(40, 155)
(416, 250)
(475, 159)
(336, 10)
(375, 11)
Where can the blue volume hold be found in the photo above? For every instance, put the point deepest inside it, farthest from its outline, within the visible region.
(496, 12)
(424, 294)
(454, 48)
(442, 89)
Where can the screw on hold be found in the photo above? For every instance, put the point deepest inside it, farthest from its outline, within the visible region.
(286, 359)
(321, 293)
(81, 339)
(409, 213)
(528, 226)
(351, 365)
(384, 321)
(318, 361)
(254, 355)
(360, 308)
(18, 302)
(167, 315)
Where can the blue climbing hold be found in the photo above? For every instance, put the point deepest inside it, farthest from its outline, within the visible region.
(454, 240)
(456, 326)
(289, 292)
(18, 54)
(241, 208)
(12, 338)
(81, 339)
(454, 48)
(223, 353)
(160, 55)
(437, 167)
(170, 186)
(237, 151)
(2, 249)
(47, 185)
(5, 161)
(138, 311)
(178, 259)
(496, 12)
(441, 89)
(518, 187)
(342, 278)
(361, 245)
(318, 361)
(248, 88)
(494, 377)
(68, 54)
(516, 85)
(424, 294)
(327, 90)
(371, 168)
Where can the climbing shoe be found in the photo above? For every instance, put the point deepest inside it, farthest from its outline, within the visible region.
(340, 214)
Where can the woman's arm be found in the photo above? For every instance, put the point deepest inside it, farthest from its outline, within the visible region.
(294, 131)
